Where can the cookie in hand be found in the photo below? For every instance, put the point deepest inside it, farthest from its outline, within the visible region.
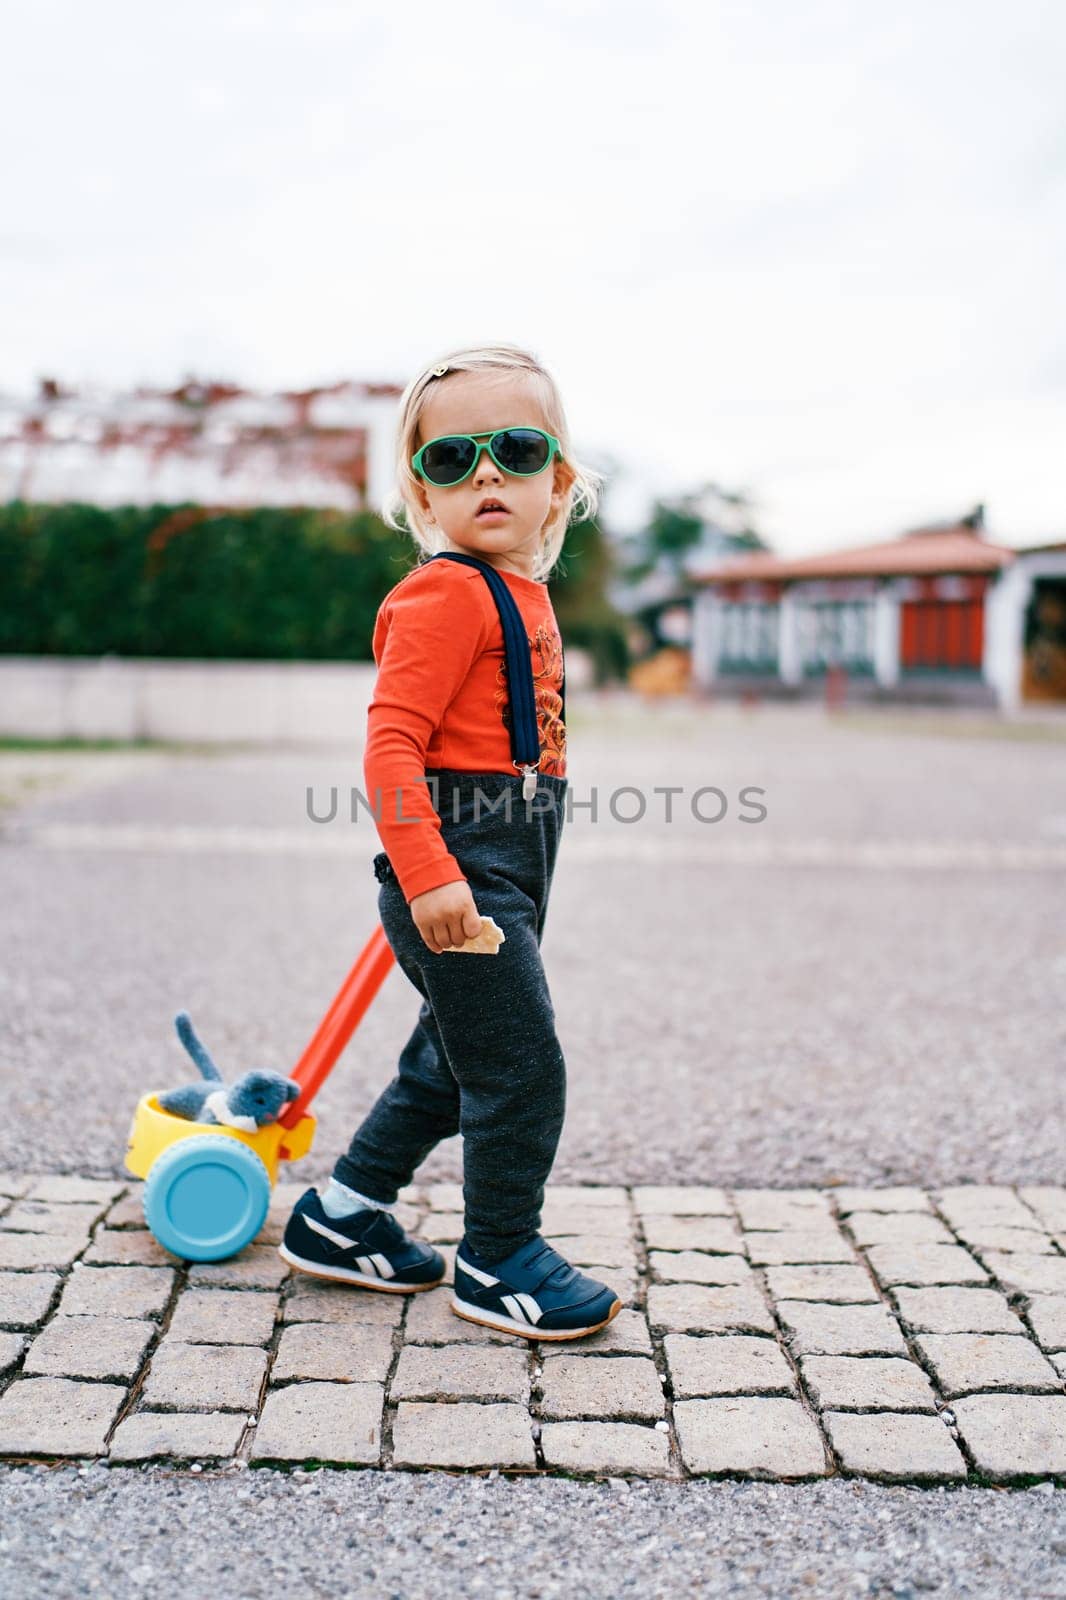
(485, 943)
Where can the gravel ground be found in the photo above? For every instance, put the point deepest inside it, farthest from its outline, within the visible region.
(403, 1537)
(811, 1021)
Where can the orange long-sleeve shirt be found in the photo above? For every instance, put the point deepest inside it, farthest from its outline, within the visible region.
(441, 700)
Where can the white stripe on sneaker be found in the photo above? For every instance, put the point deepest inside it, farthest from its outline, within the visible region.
(476, 1272)
(530, 1307)
(328, 1233)
(384, 1266)
(366, 1264)
(523, 1307)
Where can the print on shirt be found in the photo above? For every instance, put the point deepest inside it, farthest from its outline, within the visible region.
(546, 649)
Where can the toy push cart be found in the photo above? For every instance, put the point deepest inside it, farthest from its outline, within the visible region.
(207, 1187)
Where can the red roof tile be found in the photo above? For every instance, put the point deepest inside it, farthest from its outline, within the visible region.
(924, 551)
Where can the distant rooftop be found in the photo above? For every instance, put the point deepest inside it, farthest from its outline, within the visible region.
(950, 547)
(208, 442)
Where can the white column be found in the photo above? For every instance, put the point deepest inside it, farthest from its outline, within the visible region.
(706, 636)
(789, 664)
(886, 635)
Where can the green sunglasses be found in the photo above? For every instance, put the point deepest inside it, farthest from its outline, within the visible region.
(452, 458)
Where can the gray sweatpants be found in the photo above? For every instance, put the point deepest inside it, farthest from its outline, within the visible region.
(483, 1059)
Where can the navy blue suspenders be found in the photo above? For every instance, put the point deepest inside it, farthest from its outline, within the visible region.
(525, 736)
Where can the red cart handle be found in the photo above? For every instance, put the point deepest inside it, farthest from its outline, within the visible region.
(340, 1022)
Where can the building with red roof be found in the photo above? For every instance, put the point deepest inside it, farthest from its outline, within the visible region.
(939, 614)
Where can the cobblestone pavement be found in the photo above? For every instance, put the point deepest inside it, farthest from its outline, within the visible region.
(897, 1334)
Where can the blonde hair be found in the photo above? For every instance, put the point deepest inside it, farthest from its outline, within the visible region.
(401, 509)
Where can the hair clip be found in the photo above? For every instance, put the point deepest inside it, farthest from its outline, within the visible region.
(438, 372)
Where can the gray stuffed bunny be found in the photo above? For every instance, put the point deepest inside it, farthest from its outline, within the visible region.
(252, 1101)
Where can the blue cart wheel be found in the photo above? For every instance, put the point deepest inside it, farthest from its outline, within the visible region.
(206, 1197)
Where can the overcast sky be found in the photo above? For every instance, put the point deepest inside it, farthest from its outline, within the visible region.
(810, 249)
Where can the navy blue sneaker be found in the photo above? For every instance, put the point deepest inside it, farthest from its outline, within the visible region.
(534, 1292)
(369, 1249)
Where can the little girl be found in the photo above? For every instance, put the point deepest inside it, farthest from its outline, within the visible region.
(488, 483)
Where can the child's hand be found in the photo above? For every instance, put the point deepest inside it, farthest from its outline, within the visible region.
(446, 915)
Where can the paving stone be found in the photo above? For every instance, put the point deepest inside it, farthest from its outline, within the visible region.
(11, 1347)
(445, 1196)
(922, 1264)
(979, 1202)
(600, 1386)
(326, 1302)
(967, 1361)
(29, 1251)
(205, 1377)
(835, 1285)
(761, 1437)
(177, 1436)
(692, 1266)
(75, 1190)
(117, 1291)
(614, 1448)
(256, 1267)
(358, 1353)
(867, 1383)
(893, 1199)
(659, 1200)
(1058, 1361)
(223, 1316)
(321, 1422)
(89, 1347)
(443, 1227)
(25, 1297)
(39, 1216)
(129, 1211)
(563, 1219)
(1014, 1435)
(128, 1247)
(793, 1245)
(461, 1372)
(898, 1227)
(770, 1209)
(727, 1364)
(693, 1308)
(611, 1197)
(1048, 1203)
(1034, 1274)
(14, 1184)
(896, 1449)
(431, 1321)
(956, 1310)
(597, 1249)
(462, 1435)
(57, 1417)
(1046, 1313)
(627, 1333)
(840, 1330)
(982, 1236)
(720, 1235)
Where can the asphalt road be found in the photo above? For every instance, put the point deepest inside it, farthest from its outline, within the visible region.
(865, 986)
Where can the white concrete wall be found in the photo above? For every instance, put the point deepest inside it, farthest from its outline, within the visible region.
(261, 702)
(1005, 609)
(887, 635)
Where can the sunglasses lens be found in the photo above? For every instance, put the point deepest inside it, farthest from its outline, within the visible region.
(521, 450)
(446, 460)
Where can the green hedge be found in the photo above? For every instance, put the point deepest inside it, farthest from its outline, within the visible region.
(263, 584)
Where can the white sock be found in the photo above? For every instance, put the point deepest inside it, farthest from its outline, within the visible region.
(340, 1201)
